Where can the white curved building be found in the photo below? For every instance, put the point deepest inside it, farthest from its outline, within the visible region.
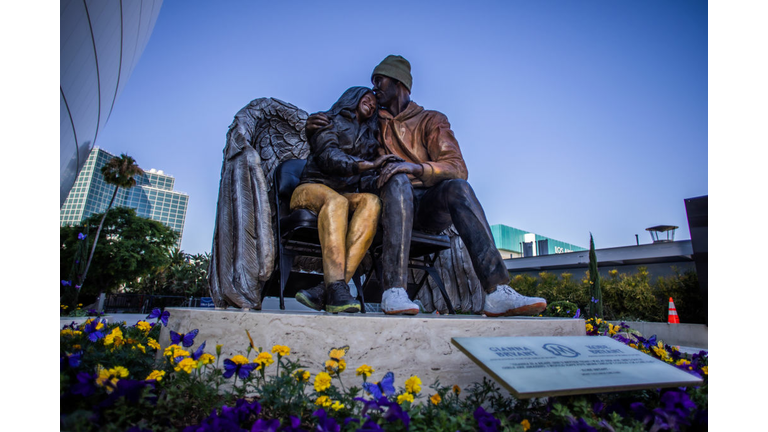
(101, 42)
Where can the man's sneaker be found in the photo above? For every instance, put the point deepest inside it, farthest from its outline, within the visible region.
(313, 298)
(507, 302)
(395, 301)
(338, 299)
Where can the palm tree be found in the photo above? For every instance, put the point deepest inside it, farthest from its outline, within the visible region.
(120, 172)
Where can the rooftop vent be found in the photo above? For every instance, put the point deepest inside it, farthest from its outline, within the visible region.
(662, 233)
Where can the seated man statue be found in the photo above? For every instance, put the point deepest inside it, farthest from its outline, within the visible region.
(429, 191)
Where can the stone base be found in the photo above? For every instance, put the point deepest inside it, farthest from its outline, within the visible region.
(407, 345)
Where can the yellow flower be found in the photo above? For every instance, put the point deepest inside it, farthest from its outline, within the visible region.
(70, 332)
(405, 397)
(264, 359)
(186, 364)
(435, 399)
(119, 371)
(589, 327)
(526, 424)
(456, 389)
(140, 347)
(337, 405)
(64, 306)
(612, 329)
(301, 375)
(613, 272)
(322, 381)
(143, 326)
(169, 351)
(207, 359)
(705, 369)
(76, 347)
(115, 338)
(239, 359)
(333, 366)
(155, 375)
(110, 377)
(413, 384)
(178, 352)
(323, 401)
(281, 350)
(682, 362)
(365, 370)
(153, 344)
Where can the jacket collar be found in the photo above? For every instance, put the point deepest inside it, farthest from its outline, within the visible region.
(410, 111)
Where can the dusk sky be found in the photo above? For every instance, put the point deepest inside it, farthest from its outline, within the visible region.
(573, 117)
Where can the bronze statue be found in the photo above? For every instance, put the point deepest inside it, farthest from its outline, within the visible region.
(343, 155)
(428, 190)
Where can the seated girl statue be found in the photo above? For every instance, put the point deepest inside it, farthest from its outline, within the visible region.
(341, 163)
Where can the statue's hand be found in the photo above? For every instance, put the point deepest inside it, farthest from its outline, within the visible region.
(315, 122)
(396, 168)
(378, 163)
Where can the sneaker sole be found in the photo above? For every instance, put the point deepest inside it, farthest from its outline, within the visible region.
(403, 312)
(301, 298)
(342, 308)
(528, 310)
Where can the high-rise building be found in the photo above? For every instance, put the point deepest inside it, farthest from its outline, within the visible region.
(153, 196)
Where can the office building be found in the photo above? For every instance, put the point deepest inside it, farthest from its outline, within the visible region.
(516, 243)
(153, 196)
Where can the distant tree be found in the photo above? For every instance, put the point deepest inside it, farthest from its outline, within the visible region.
(132, 247)
(596, 293)
(185, 275)
(120, 172)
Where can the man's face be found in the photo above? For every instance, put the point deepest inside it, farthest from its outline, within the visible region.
(385, 89)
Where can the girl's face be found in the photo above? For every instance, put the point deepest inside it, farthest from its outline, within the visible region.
(367, 106)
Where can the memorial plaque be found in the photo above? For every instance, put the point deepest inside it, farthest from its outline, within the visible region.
(568, 365)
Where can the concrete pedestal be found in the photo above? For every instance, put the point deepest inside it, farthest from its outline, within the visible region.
(407, 345)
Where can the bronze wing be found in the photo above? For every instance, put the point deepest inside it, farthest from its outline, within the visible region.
(264, 133)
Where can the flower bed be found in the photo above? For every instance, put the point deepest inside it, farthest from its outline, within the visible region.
(111, 379)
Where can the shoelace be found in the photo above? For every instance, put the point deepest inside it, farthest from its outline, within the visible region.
(510, 291)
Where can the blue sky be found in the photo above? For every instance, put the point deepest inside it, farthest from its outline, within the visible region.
(573, 117)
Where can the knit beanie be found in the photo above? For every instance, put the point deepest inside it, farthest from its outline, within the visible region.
(397, 67)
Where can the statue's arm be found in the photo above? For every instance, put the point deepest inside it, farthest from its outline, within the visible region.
(446, 160)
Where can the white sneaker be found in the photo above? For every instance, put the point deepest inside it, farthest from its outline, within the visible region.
(395, 301)
(506, 302)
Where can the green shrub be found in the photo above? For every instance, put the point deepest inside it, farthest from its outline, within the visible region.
(626, 296)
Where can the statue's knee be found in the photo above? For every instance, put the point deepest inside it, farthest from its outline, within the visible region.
(459, 190)
(370, 202)
(336, 203)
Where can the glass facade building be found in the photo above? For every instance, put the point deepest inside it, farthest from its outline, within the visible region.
(153, 196)
(516, 243)
(100, 43)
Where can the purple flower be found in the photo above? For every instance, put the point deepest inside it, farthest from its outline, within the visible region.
(370, 426)
(81, 236)
(77, 287)
(91, 329)
(71, 360)
(85, 386)
(66, 283)
(162, 316)
(242, 370)
(579, 426)
(262, 425)
(325, 423)
(486, 422)
(578, 313)
(369, 405)
(294, 425)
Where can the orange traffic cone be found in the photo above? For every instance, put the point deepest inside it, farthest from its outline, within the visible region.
(673, 318)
